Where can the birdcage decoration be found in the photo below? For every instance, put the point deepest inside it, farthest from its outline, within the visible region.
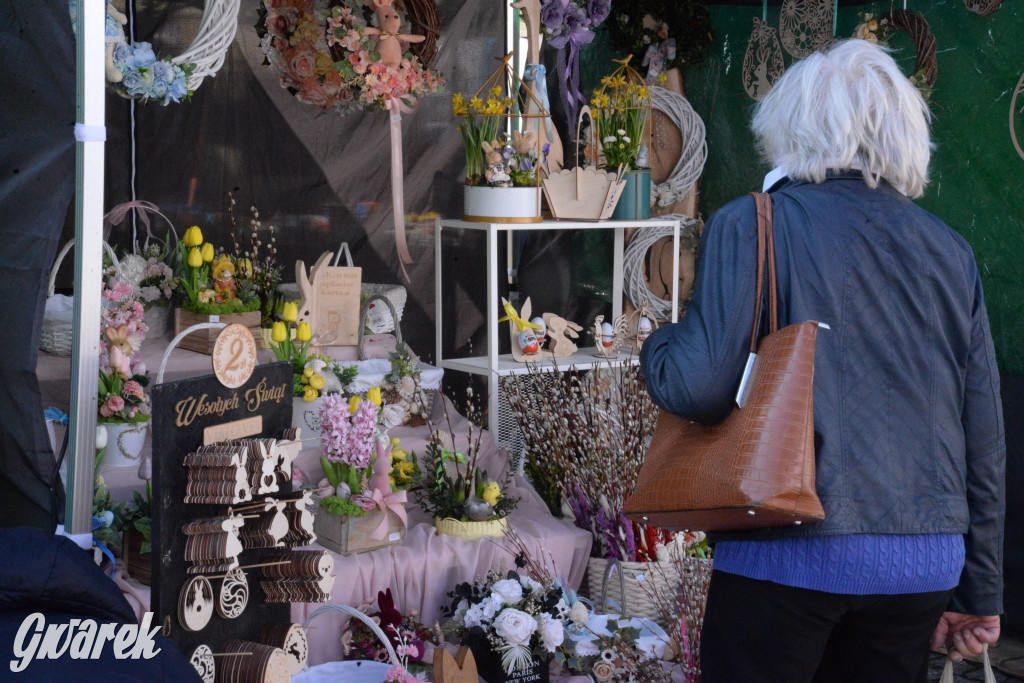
(622, 115)
(503, 164)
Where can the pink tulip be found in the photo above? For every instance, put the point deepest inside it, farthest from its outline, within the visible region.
(119, 362)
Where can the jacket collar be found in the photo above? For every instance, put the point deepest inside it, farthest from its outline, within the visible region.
(778, 177)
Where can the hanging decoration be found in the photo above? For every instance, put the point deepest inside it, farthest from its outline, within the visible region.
(350, 54)
(806, 26)
(762, 63)
(880, 30)
(568, 25)
(233, 595)
(694, 150)
(662, 34)
(202, 661)
(982, 7)
(1016, 114)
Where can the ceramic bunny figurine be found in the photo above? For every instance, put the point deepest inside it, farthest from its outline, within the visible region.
(389, 44)
(497, 171)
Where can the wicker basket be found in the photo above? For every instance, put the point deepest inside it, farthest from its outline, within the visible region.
(57, 329)
(624, 587)
(471, 531)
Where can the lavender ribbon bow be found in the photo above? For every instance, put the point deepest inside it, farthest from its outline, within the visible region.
(118, 213)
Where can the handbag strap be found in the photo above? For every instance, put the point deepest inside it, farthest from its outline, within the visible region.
(765, 247)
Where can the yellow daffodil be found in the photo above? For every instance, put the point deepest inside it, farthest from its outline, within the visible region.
(207, 252)
(393, 482)
(406, 469)
(307, 373)
(317, 382)
(496, 91)
(309, 394)
(195, 257)
(476, 105)
(399, 454)
(373, 396)
(290, 312)
(302, 333)
(278, 332)
(193, 237)
(353, 404)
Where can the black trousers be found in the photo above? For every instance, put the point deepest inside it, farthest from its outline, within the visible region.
(763, 632)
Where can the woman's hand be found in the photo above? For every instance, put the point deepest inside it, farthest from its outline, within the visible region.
(965, 634)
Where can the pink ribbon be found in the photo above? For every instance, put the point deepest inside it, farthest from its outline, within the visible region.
(395, 502)
(397, 107)
(118, 213)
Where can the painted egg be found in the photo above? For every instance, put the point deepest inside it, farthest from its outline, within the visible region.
(528, 342)
(643, 328)
(607, 335)
(542, 333)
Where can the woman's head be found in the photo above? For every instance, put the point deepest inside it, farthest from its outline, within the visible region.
(850, 107)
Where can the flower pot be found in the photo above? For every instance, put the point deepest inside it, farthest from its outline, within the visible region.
(125, 441)
(306, 414)
(635, 200)
(471, 531)
(202, 341)
(485, 204)
(137, 564)
(489, 668)
(157, 318)
(348, 535)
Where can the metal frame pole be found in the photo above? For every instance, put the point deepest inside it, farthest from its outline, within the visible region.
(90, 136)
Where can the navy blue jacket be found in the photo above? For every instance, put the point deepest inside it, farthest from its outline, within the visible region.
(907, 415)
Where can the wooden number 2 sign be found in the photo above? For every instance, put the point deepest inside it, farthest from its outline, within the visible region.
(234, 355)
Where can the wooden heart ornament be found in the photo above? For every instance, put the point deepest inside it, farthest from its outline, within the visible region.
(458, 669)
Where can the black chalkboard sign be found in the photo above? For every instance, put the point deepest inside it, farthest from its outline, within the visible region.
(182, 413)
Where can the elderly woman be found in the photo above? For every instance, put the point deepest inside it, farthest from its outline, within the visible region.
(907, 417)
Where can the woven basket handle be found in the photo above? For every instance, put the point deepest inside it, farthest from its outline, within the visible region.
(174, 342)
(351, 611)
(362, 323)
(60, 258)
(614, 566)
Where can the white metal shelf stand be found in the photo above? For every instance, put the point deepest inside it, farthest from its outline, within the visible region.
(492, 365)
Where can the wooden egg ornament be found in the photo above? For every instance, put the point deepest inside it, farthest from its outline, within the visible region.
(643, 328)
(607, 335)
(202, 661)
(291, 638)
(528, 342)
(234, 594)
(542, 333)
(195, 604)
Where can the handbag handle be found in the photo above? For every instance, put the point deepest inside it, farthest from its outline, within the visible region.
(399, 343)
(765, 247)
(990, 677)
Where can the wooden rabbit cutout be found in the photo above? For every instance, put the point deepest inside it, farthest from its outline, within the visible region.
(333, 320)
(458, 669)
(389, 44)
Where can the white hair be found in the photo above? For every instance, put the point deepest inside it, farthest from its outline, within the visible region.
(850, 107)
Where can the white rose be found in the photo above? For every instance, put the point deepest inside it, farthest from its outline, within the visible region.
(551, 632)
(392, 416)
(527, 582)
(508, 590)
(515, 627)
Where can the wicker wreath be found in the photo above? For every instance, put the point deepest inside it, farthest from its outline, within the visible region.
(916, 26)
(425, 21)
(688, 22)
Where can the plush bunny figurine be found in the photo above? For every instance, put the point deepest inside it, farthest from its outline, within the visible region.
(389, 44)
(497, 171)
(524, 143)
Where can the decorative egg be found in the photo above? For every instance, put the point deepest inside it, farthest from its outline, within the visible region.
(528, 342)
(643, 328)
(607, 335)
(542, 333)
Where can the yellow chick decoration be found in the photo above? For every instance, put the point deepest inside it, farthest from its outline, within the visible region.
(492, 492)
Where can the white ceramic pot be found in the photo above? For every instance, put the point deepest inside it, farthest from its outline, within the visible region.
(306, 414)
(125, 441)
(485, 204)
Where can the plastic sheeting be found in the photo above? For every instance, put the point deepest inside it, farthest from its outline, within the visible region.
(37, 175)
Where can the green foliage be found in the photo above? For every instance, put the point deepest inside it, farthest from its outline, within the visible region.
(343, 507)
(227, 308)
(138, 515)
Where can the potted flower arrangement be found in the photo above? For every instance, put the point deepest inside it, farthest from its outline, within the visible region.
(407, 635)
(149, 269)
(451, 486)
(216, 289)
(124, 408)
(512, 622)
(622, 112)
(363, 510)
(502, 174)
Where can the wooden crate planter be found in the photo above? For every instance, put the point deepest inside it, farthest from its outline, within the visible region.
(202, 341)
(137, 564)
(349, 535)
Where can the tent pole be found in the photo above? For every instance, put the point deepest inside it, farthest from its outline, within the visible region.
(90, 135)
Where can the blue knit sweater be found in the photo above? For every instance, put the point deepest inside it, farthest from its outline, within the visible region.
(853, 564)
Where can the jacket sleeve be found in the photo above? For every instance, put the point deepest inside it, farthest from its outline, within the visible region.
(981, 583)
(693, 367)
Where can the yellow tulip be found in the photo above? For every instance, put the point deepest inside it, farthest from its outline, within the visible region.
(302, 333)
(207, 252)
(395, 441)
(309, 394)
(373, 396)
(307, 373)
(278, 332)
(195, 258)
(353, 404)
(290, 312)
(317, 382)
(193, 237)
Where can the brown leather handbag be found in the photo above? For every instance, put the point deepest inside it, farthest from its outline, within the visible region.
(754, 469)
